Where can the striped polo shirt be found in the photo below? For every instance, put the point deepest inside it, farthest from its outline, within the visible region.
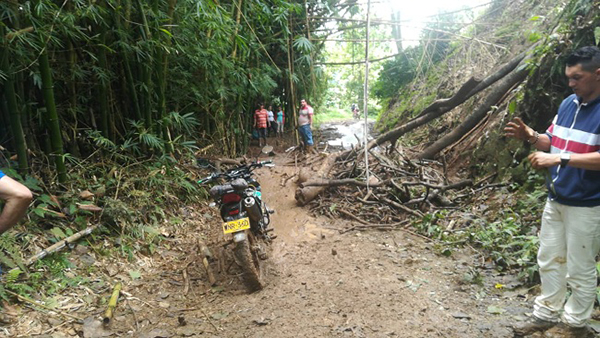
(261, 117)
(575, 129)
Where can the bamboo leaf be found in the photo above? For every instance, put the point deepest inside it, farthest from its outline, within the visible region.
(135, 274)
(58, 233)
(166, 32)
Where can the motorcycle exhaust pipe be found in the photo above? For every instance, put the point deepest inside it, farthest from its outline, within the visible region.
(252, 209)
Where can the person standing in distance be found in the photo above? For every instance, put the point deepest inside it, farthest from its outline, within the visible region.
(272, 123)
(261, 122)
(279, 122)
(305, 121)
(570, 232)
(17, 198)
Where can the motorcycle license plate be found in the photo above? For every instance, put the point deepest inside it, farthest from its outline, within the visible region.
(237, 225)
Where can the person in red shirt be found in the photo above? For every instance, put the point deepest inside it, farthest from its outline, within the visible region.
(261, 123)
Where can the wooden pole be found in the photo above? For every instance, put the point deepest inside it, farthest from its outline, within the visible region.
(366, 96)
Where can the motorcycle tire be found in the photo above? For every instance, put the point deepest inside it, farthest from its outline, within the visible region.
(249, 262)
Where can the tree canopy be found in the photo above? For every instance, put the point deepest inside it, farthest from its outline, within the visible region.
(151, 78)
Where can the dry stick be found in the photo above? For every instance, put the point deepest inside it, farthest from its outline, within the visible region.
(118, 186)
(131, 297)
(367, 225)
(112, 304)
(186, 280)
(208, 318)
(493, 185)
(206, 254)
(346, 181)
(59, 245)
(402, 207)
(352, 216)
(33, 302)
(458, 185)
(137, 326)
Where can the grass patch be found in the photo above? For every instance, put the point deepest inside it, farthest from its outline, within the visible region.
(332, 115)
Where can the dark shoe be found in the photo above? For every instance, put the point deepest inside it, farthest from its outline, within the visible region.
(565, 331)
(532, 326)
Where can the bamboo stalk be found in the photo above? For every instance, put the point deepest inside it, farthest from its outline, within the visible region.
(103, 86)
(59, 245)
(112, 304)
(14, 115)
(133, 94)
(14, 34)
(52, 117)
(145, 71)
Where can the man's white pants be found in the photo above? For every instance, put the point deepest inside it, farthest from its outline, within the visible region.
(569, 243)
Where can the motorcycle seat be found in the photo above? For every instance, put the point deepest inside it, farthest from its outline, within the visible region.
(239, 184)
(219, 190)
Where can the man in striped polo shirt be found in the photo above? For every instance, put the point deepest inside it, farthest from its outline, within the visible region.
(261, 122)
(570, 232)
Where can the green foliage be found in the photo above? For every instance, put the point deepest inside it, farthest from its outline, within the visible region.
(180, 75)
(507, 237)
(418, 60)
(10, 252)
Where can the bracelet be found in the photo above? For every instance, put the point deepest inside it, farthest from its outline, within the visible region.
(537, 137)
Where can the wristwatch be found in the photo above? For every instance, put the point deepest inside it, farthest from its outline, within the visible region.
(564, 159)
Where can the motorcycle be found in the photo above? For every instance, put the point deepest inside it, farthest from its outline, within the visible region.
(246, 217)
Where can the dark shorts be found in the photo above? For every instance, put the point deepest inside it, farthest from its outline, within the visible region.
(262, 132)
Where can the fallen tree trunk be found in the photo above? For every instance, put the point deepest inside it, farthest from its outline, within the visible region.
(306, 194)
(442, 106)
(464, 93)
(472, 120)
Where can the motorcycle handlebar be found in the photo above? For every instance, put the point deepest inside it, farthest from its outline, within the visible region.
(236, 172)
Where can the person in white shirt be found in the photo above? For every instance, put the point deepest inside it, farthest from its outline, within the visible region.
(272, 123)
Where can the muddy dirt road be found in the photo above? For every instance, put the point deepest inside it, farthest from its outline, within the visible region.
(321, 283)
(358, 284)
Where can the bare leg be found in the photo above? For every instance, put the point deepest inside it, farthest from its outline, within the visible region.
(17, 197)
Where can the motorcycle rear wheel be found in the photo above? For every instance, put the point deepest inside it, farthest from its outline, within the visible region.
(249, 262)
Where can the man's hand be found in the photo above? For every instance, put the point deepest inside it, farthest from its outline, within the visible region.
(540, 160)
(518, 129)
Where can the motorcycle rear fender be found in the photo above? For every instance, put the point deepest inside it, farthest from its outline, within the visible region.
(239, 236)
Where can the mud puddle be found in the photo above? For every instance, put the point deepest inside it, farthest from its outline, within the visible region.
(345, 134)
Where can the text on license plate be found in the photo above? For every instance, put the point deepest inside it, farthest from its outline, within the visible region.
(237, 225)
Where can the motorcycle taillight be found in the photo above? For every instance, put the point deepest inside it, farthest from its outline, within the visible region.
(234, 211)
(228, 198)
